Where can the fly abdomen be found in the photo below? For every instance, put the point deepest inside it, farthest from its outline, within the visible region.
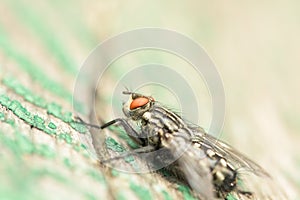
(224, 177)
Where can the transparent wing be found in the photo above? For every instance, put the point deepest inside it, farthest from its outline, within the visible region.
(193, 164)
(251, 177)
(234, 157)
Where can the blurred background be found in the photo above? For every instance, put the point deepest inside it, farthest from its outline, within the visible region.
(255, 46)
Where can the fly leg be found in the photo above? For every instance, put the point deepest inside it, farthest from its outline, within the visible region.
(133, 134)
(87, 124)
(140, 150)
(245, 193)
(122, 122)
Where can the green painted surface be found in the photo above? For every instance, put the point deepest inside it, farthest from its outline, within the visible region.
(114, 172)
(45, 34)
(52, 108)
(39, 123)
(66, 137)
(90, 196)
(186, 192)
(121, 196)
(78, 27)
(52, 125)
(78, 127)
(10, 121)
(22, 113)
(2, 116)
(32, 69)
(36, 73)
(123, 135)
(96, 175)
(20, 180)
(24, 92)
(115, 146)
(20, 144)
(27, 185)
(4, 100)
(68, 163)
(67, 117)
(45, 151)
(230, 197)
(140, 191)
(166, 195)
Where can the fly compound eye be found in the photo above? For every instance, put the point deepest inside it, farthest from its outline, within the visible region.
(138, 102)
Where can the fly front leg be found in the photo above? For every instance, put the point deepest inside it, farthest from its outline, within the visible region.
(122, 122)
(133, 134)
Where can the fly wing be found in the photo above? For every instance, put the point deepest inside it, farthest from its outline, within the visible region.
(193, 163)
(234, 157)
(251, 177)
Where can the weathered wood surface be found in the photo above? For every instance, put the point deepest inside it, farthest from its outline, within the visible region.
(44, 154)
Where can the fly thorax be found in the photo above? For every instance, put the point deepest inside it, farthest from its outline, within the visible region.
(154, 140)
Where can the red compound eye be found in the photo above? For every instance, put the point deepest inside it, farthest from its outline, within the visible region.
(138, 102)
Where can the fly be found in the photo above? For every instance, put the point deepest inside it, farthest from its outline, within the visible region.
(212, 168)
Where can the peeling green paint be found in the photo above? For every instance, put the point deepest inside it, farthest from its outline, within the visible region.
(90, 196)
(49, 131)
(186, 192)
(121, 196)
(140, 191)
(2, 116)
(39, 123)
(4, 100)
(114, 172)
(43, 32)
(45, 151)
(78, 127)
(23, 91)
(115, 146)
(96, 175)
(36, 73)
(10, 121)
(230, 197)
(66, 137)
(52, 125)
(68, 163)
(67, 117)
(123, 135)
(78, 26)
(52, 108)
(166, 195)
(33, 70)
(22, 145)
(22, 113)
(79, 148)
(38, 120)
(22, 179)
(13, 105)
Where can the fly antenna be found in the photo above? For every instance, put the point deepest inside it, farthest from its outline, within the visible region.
(127, 92)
